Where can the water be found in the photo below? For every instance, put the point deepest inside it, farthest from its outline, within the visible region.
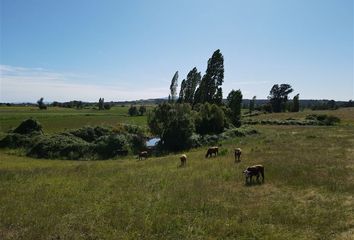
(152, 142)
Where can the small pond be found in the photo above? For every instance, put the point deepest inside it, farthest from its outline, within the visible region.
(152, 142)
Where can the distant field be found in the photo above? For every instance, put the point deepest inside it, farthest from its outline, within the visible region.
(308, 192)
(345, 114)
(56, 119)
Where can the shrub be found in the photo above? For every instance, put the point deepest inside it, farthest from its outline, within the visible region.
(107, 106)
(29, 126)
(142, 110)
(15, 140)
(65, 146)
(133, 111)
(111, 146)
(324, 119)
(137, 142)
(90, 134)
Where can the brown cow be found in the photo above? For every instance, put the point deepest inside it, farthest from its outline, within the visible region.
(255, 170)
(211, 151)
(183, 160)
(238, 154)
(143, 154)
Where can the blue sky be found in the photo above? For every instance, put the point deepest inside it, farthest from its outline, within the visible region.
(125, 50)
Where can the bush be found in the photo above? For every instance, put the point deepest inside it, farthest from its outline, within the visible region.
(207, 140)
(137, 142)
(133, 111)
(111, 146)
(15, 140)
(29, 126)
(107, 106)
(64, 146)
(90, 134)
(324, 119)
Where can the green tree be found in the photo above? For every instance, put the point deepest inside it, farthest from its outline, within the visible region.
(142, 110)
(210, 119)
(279, 96)
(41, 104)
(173, 88)
(252, 104)
(234, 101)
(133, 111)
(210, 87)
(192, 81)
(296, 104)
(174, 124)
(182, 92)
(101, 104)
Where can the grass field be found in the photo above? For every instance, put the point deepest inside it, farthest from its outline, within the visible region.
(308, 191)
(58, 119)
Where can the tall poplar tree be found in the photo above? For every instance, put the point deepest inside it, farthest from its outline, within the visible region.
(278, 96)
(234, 101)
(296, 104)
(173, 88)
(210, 87)
(192, 81)
(252, 104)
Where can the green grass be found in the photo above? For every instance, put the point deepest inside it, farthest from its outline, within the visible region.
(56, 119)
(308, 192)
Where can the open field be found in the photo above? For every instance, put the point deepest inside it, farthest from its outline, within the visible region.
(56, 119)
(308, 192)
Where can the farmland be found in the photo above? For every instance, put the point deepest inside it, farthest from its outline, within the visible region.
(57, 119)
(307, 194)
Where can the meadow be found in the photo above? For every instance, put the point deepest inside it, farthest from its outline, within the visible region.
(308, 191)
(56, 119)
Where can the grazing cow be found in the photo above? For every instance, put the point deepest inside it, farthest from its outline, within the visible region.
(143, 154)
(211, 151)
(255, 170)
(183, 160)
(238, 154)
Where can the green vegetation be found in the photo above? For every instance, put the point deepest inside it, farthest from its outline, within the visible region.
(234, 101)
(174, 124)
(57, 119)
(209, 89)
(308, 192)
(41, 104)
(85, 143)
(278, 97)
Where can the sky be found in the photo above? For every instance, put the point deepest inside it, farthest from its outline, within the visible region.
(127, 50)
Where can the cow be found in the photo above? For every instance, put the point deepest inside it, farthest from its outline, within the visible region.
(238, 154)
(143, 154)
(211, 151)
(183, 159)
(255, 170)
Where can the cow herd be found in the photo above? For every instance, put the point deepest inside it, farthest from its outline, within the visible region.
(249, 172)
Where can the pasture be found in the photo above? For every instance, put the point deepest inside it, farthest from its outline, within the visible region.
(56, 119)
(308, 191)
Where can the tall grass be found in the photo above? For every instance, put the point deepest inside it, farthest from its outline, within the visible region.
(307, 194)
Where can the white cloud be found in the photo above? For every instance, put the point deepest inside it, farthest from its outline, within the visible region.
(19, 84)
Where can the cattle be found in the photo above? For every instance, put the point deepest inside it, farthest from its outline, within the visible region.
(238, 154)
(255, 170)
(143, 154)
(211, 151)
(183, 159)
